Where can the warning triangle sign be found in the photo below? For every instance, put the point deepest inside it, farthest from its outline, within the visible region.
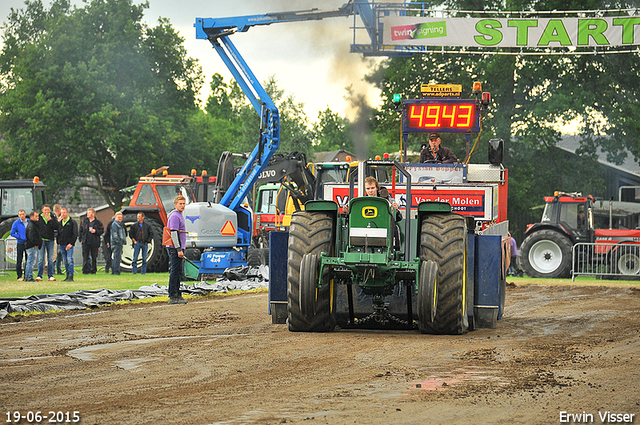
(228, 229)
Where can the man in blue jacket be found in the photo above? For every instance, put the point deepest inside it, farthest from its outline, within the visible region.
(118, 237)
(19, 231)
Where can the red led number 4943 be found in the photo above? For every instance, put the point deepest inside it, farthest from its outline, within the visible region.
(441, 116)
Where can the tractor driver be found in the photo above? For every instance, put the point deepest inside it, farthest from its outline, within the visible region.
(372, 188)
(433, 152)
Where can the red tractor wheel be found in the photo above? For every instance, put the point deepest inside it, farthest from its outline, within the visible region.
(546, 254)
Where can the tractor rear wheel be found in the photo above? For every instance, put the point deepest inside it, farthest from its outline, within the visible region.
(627, 261)
(255, 257)
(443, 239)
(547, 254)
(427, 294)
(308, 285)
(310, 233)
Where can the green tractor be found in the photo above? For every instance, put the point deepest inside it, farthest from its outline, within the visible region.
(338, 263)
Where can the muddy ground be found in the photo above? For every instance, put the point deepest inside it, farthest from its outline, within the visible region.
(559, 351)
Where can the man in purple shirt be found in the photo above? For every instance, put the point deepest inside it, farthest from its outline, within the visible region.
(176, 249)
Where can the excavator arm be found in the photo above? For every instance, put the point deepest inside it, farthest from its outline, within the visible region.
(292, 172)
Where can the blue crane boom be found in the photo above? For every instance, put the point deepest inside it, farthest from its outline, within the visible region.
(217, 31)
(269, 122)
(205, 27)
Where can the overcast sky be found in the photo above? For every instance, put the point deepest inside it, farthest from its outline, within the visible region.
(310, 60)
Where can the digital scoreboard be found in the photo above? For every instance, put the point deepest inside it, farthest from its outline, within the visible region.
(441, 115)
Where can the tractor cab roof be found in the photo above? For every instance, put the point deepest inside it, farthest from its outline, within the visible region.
(168, 179)
(18, 183)
(564, 197)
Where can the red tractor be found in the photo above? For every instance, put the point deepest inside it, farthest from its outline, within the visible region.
(568, 219)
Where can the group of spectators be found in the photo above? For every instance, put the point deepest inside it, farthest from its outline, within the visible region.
(40, 233)
(36, 237)
(115, 237)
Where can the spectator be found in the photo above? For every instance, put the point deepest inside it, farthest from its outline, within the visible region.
(176, 249)
(118, 239)
(511, 271)
(19, 231)
(32, 244)
(67, 237)
(433, 152)
(57, 210)
(106, 247)
(90, 231)
(141, 235)
(48, 224)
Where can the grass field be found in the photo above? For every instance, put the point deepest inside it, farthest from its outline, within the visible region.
(10, 287)
(580, 280)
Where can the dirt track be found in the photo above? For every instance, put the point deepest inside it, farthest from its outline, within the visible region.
(220, 360)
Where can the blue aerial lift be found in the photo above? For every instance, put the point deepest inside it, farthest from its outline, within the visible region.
(220, 234)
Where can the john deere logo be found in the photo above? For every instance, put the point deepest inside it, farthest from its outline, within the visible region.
(369, 212)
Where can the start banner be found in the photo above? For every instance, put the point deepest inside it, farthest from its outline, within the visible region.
(535, 33)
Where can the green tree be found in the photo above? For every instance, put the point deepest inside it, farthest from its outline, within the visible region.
(332, 132)
(211, 136)
(94, 92)
(295, 132)
(219, 103)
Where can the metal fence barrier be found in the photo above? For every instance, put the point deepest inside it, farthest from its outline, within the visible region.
(501, 229)
(606, 260)
(4, 266)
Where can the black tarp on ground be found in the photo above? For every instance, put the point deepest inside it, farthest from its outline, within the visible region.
(237, 278)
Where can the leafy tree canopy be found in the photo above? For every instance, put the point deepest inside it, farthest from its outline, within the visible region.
(332, 132)
(93, 92)
(229, 102)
